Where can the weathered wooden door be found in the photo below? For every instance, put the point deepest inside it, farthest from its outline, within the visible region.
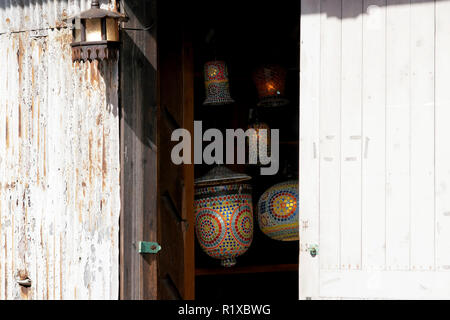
(175, 182)
(374, 155)
(157, 196)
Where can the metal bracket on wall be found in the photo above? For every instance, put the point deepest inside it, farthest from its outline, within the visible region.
(149, 247)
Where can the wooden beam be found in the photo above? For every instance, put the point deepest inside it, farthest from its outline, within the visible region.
(247, 269)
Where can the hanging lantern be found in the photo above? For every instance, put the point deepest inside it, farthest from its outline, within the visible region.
(217, 84)
(95, 33)
(278, 211)
(259, 143)
(223, 214)
(270, 81)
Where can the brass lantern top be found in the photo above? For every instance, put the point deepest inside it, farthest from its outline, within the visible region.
(96, 13)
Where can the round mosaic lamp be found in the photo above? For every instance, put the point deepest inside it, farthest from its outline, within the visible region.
(270, 81)
(217, 84)
(223, 214)
(278, 211)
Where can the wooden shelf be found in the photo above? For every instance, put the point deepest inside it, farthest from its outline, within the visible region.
(293, 143)
(246, 269)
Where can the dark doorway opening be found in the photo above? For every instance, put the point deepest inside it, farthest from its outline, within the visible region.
(245, 38)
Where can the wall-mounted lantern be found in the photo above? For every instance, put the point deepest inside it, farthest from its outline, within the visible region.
(96, 33)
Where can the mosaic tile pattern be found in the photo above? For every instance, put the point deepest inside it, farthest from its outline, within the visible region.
(217, 83)
(259, 146)
(270, 81)
(224, 221)
(278, 211)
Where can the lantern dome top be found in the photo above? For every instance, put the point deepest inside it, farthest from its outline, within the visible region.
(220, 175)
(97, 13)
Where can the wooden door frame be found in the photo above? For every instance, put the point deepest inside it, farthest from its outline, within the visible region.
(186, 212)
(139, 100)
(138, 153)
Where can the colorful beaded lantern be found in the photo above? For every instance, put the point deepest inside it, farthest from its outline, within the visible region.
(278, 211)
(259, 143)
(223, 215)
(217, 84)
(270, 81)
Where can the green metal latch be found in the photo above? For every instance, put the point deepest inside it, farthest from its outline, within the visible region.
(149, 247)
(313, 250)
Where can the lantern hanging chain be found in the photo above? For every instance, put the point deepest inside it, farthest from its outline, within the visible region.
(215, 48)
(211, 40)
(256, 115)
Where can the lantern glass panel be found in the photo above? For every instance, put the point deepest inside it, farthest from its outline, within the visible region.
(77, 30)
(77, 35)
(93, 30)
(112, 30)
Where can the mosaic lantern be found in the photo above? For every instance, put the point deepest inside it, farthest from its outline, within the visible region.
(223, 214)
(217, 84)
(259, 144)
(270, 81)
(278, 211)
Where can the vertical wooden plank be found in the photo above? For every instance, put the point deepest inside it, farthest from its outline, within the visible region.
(442, 132)
(188, 169)
(351, 98)
(138, 273)
(374, 126)
(398, 89)
(422, 135)
(175, 183)
(309, 146)
(330, 133)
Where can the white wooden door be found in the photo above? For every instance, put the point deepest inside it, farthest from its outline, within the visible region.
(375, 149)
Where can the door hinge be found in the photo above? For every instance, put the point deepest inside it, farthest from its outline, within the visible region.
(149, 247)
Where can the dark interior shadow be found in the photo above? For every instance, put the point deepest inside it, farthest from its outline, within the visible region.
(138, 70)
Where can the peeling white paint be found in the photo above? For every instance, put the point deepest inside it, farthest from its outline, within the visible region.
(27, 15)
(59, 167)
